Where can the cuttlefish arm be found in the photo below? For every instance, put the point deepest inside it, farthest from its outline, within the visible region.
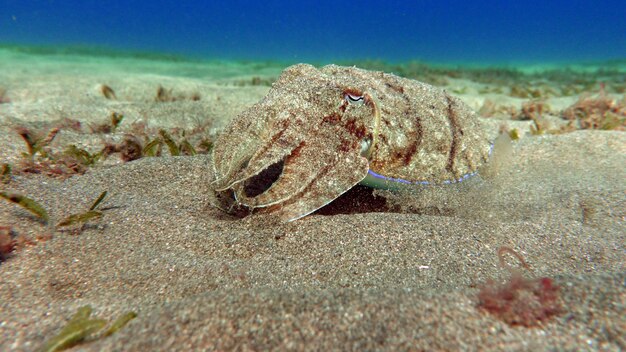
(319, 169)
(337, 174)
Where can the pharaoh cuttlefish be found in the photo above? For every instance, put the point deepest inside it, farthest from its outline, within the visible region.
(319, 132)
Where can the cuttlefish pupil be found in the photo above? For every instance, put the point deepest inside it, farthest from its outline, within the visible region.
(354, 98)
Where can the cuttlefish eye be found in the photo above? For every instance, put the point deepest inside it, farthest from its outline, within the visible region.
(354, 99)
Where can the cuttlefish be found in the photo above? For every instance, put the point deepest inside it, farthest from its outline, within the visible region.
(319, 132)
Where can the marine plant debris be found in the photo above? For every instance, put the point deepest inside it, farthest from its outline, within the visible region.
(81, 219)
(491, 109)
(81, 157)
(520, 301)
(108, 127)
(532, 109)
(129, 149)
(108, 92)
(83, 328)
(36, 141)
(26, 203)
(41, 158)
(136, 141)
(171, 145)
(164, 95)
(7, 241)
(598, 112)
(154, 147)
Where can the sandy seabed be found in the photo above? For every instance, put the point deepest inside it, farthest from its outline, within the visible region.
(403, 278)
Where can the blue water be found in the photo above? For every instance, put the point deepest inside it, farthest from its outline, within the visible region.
(504, 31)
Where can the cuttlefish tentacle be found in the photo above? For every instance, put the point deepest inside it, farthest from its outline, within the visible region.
(227, 165)
(296, 173)
(267, 156)
(331, 181)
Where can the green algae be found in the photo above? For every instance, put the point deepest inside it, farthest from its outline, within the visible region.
(82, 156)
(171, 145)
(153, 148)
(36, 142)
(186, 148)
(81, 328)
(108, 92)
(98, 201)
(119, 323)
(82, 218)
(73, 334)
(26, 203)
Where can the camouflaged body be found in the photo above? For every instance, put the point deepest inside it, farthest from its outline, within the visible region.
(318, 132)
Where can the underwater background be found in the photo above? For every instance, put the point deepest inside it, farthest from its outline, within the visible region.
(111, 212)
(448, 31)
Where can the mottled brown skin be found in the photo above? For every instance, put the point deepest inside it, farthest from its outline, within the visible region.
(318, 132)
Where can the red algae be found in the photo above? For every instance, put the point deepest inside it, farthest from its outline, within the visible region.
(599, 112)
(520, 301)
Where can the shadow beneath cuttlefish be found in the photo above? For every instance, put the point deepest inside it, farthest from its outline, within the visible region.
(358, 199)
(362, 199)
